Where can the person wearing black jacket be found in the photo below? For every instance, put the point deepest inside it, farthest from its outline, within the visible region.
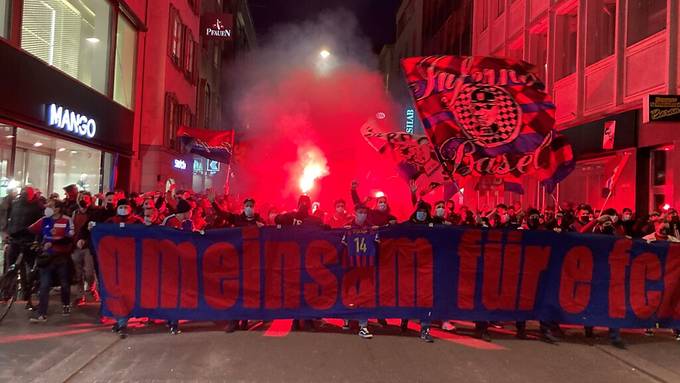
(301, 216)
(420, 217)
(25, 210)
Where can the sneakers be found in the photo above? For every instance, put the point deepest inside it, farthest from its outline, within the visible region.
(677, 335)
(448, 326)
(425, 336)
(483, 335)
(66, 310)
(548, 337)
(174, 329)
(122, 332)
(231, 326)
(114, 328)
(521, 334)
(649, 332)
(618, 343)
(404, 325)
(80, 301)
(496, 325)
(38, 319)
(364, 333)
(29, 306)
(345, 325)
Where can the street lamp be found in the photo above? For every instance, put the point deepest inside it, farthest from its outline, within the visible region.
(324, 54)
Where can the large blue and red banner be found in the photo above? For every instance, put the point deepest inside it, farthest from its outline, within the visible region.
(398, 272)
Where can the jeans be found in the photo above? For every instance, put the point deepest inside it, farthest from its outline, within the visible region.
(62, 271)
(14, 249)
(84, 270)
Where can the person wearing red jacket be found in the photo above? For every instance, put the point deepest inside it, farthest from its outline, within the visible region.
(340, 218)
(380, 216)
(82, 257)
(124, 214)
(56, 232)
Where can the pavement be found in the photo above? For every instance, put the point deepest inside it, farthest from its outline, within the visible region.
(80, 348)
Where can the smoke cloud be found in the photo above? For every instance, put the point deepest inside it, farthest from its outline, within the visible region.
(291, 100)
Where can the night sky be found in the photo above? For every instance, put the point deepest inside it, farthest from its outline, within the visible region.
(376, 17)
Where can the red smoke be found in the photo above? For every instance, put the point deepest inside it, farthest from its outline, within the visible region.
(308, 109)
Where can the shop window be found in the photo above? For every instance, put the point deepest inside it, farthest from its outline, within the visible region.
(601, 30)
(72, 36)
(4, 17)
(565, 47)
(645, 18)
(6, 143)
(538, 53)
(659, 168)
(175, 40)
(48, 163)
(126, 60)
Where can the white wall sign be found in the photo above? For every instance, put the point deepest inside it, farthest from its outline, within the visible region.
(180, 164)
(70, 121)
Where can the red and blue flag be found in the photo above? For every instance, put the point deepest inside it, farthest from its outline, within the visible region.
(213, 145)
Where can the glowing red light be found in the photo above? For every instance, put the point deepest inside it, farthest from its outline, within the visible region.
(379, 194)
(314, 168)
(666, 207)
(380, 116)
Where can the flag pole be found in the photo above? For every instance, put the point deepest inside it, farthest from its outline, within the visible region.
(227, 181)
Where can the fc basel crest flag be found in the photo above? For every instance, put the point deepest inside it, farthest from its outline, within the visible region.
(213, 145)
(488, 116)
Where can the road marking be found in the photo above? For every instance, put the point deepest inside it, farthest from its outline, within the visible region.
(279, 328)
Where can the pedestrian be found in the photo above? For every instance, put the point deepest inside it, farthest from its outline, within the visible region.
(56, 233)
(82, 258)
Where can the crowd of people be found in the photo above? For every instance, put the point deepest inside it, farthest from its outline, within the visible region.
(53, 235)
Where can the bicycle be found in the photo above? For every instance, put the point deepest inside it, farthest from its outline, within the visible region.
(10, 286)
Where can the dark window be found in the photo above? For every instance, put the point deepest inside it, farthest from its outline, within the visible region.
(645, 18)
(659, 168)
(171, 120)
(175, 40)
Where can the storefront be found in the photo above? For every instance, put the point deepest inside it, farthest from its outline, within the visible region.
(55, 130)
(193, 172)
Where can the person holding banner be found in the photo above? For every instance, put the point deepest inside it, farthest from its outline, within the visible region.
(361, 242)
(662, 232)
(533, 223)
(380, 216)
(421, 217)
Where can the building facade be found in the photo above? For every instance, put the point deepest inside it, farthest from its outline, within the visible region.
(68, 69)
(184, 87)
(600, 60)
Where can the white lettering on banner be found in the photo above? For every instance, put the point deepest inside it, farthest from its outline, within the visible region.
(70, 121)
(180, 164)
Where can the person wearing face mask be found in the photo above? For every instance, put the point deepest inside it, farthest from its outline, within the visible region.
(420, 217)
(380, 216)
(56, 233)
(583, 213)
(82, 258)
(151, 216)
(25, 210)
(628, 222)
(271, 216)
(662, 232)
(340, 218)
(674, 222)
(422, 214)
(248, 217)
(124, 214)
(451, 215)
(533, 223)
(440, 217)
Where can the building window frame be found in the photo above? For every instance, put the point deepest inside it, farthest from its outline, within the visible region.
(175, 36)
